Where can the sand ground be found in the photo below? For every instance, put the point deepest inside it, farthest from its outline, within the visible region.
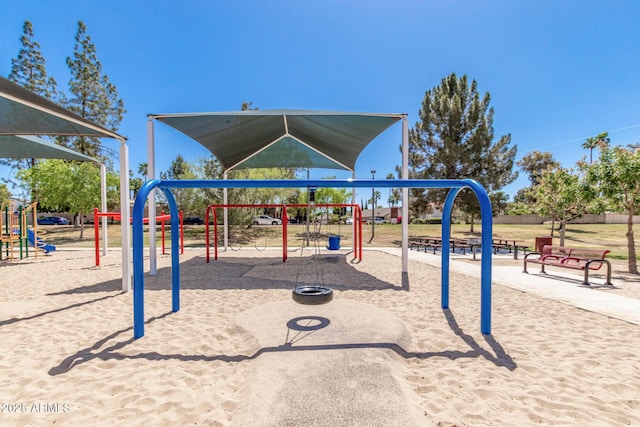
(229, 357)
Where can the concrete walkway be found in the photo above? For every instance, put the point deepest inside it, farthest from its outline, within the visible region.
(561, 287)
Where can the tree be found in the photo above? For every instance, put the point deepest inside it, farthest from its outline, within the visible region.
(601, 140)
(394, 193)
(374, 199)
(615, 183)
(535, 163)
(92, 96)
(5, 194)
(143, 169)
(499, 201)
(327, 195)
(559, 195)
(519, 208)
(70, 186)
(29, 70)
(454, 139)
(178, 170)
(29, 67)
(134, 185)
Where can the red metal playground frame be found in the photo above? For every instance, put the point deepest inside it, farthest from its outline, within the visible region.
(117, 216)
(357, 224)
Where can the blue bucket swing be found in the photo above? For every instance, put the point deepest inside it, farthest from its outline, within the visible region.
(334, 241)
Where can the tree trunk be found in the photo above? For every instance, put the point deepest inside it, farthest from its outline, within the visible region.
(553, 225)
(631, 245)
(471, 230)
(561, 231)
(80, 223)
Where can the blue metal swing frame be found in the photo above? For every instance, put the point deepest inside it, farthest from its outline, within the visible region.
(455, 187)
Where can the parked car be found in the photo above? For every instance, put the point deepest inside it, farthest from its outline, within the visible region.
(192, 220)
(349, 221)
(53, 220)
(266, 220)
(378, 220)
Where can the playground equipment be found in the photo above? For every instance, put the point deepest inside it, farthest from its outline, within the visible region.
(317, 293)
(38, 243)
(211, 210)
(454, 186)
(117, 216)
(14, 232)
(334, 239)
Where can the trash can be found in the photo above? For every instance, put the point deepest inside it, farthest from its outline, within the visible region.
(542, 241)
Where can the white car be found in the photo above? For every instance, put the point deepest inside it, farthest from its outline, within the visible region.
(378, 220)
(266, 220)
(349, 221)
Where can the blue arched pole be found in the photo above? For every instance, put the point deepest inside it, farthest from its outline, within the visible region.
(166, 186)
(487, 244)
(175, 253)
(446, 243)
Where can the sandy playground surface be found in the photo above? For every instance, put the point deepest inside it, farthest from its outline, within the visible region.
(240, 352)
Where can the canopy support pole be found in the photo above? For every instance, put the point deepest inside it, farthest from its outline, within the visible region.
(225, 212)
(125, 216)
(405, 195)
(103, 207)
(151, 174)
(353, 229)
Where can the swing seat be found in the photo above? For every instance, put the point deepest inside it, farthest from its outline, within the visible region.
(334, 243)
(312, 295)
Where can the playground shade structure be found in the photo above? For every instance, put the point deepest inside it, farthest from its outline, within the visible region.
(282, 138)
(23, 112)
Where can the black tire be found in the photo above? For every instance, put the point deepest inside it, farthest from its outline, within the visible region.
(274, 223)
(255, 222)
(312, 295)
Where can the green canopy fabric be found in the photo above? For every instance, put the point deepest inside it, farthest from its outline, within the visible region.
(279, 138)
(26, 147)
(24, 113)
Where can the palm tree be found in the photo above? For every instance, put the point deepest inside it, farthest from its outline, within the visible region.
(601, 140)
(143, 169)
(389, 200)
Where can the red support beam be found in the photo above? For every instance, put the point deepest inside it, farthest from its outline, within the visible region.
(357, 231)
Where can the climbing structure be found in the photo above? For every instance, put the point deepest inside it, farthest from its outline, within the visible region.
(10, 235)
(15, 235)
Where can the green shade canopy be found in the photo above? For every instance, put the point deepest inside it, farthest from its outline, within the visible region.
(282, 138)
(27, 147)
(24, 113)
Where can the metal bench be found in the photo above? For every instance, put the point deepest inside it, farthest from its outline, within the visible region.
(584, 259)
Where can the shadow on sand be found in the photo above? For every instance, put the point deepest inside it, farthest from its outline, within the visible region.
(495, 353)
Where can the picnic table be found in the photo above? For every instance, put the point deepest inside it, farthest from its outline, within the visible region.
(435, 243)
(510, 245)
(497, 243)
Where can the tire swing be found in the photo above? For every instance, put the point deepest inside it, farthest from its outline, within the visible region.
(317, 293)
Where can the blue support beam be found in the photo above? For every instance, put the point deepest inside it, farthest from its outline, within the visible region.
(166, 186)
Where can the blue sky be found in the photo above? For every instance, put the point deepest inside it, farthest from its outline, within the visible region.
(558, 71)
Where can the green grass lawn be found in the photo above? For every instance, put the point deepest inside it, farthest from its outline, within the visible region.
(611, 236)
